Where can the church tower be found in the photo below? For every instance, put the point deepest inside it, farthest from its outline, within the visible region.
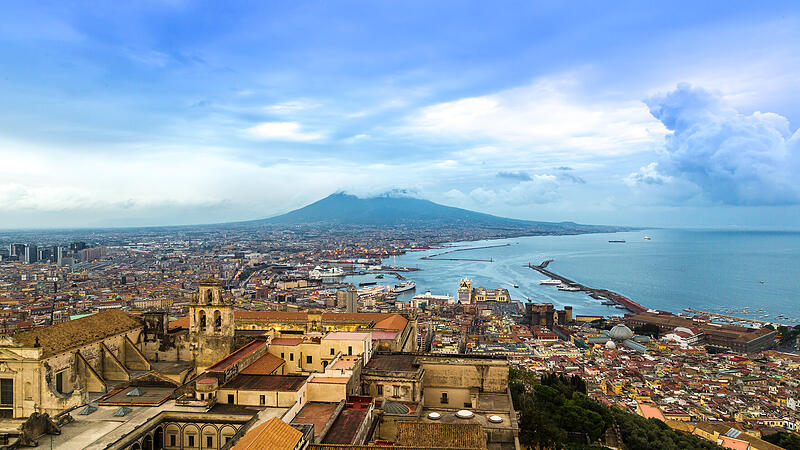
(210, 323)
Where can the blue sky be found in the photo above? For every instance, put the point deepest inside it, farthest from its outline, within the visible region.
(175, 112)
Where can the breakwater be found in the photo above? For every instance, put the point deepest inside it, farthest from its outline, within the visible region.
(600, 294)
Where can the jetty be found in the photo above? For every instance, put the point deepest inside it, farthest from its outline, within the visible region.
(435, 256)
(600, 294)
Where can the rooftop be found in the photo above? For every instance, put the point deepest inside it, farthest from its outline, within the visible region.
(274, 434)
(393, 362)
(282, 383)
(63, 336)
(460, 435)
(264, 365)
(237, 356)
(317, 414)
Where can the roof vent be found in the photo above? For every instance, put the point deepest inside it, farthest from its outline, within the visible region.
(88, 409)
(434, 416)
(465, 414)
(495, 419)
(122, 411)
(135, 392)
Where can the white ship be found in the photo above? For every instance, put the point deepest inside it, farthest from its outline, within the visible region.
(550, 282)
(325, 272)
(405, 286)
(565, 287)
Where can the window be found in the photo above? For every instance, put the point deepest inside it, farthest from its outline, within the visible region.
(308, 360)
(262, 399)
(7, 391)
(333, 352)
(324, 364)
(202, 396)
(349, 349)
(227, 439)
(230, 398)
(172, 440)
(210, 441)
(291, 356)
(396, 391)
(191, 440)
(444, 397)
(60, 382)
(282, 355)
(380, 389)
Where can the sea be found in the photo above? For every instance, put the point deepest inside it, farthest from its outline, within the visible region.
(752, 274)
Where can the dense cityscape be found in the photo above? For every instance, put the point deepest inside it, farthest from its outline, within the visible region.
(225, 321)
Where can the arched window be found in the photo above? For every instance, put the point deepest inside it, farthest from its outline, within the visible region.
(217, 320)
(209, 297)
(201, 319)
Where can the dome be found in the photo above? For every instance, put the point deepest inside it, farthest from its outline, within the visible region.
(464, 414)
(620, 333)
(611, 344)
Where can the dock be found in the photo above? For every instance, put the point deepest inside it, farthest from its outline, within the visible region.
(600, 294)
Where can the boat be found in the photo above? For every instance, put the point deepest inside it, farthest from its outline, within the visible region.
(516, 286)
(325, 272)
(550, 282)
(565, 287)
(405, 286)
(617, 241)
(380, 276)
(368, 283)
(647, 238)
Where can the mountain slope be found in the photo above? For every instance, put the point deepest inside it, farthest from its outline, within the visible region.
(345, 209)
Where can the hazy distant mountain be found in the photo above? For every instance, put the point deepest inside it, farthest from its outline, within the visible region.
(388, 210)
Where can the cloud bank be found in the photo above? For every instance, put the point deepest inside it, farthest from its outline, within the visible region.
(734, 158)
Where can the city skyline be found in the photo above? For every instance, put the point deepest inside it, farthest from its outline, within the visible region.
(172, 113)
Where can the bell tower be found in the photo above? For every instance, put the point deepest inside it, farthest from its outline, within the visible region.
(210, 323)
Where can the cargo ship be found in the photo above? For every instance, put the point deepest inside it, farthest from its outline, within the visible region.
(617, 241)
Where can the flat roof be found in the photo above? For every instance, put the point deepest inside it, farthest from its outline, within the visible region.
(317, 414)
(282, 383)
(393, 362)
(349, 335)
(345, 426)
(150, 396)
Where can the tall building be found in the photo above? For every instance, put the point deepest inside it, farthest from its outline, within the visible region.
(31, 254)
(16, 250)
(465, 291)
(352, 299)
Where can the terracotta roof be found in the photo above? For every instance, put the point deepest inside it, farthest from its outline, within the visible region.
(183, 322)
(264, 365)
(273, 434)
(384, 321)
(63, 336)
(461, 435)
(395, 322)
(287, 341)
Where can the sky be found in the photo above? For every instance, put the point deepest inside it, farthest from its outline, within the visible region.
(680, 114)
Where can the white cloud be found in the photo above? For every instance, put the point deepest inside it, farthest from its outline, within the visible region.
(291, 106)
(539, 189)
(282, 131)
(548, 115)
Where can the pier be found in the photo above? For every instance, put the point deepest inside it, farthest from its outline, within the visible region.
(599, 294)
(434, 256)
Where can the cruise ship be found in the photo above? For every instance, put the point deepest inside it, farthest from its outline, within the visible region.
(405, 286)
(550, 282)
(325, 272)
(566, 287)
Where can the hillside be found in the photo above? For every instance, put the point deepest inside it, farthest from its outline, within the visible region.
(391, 211)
